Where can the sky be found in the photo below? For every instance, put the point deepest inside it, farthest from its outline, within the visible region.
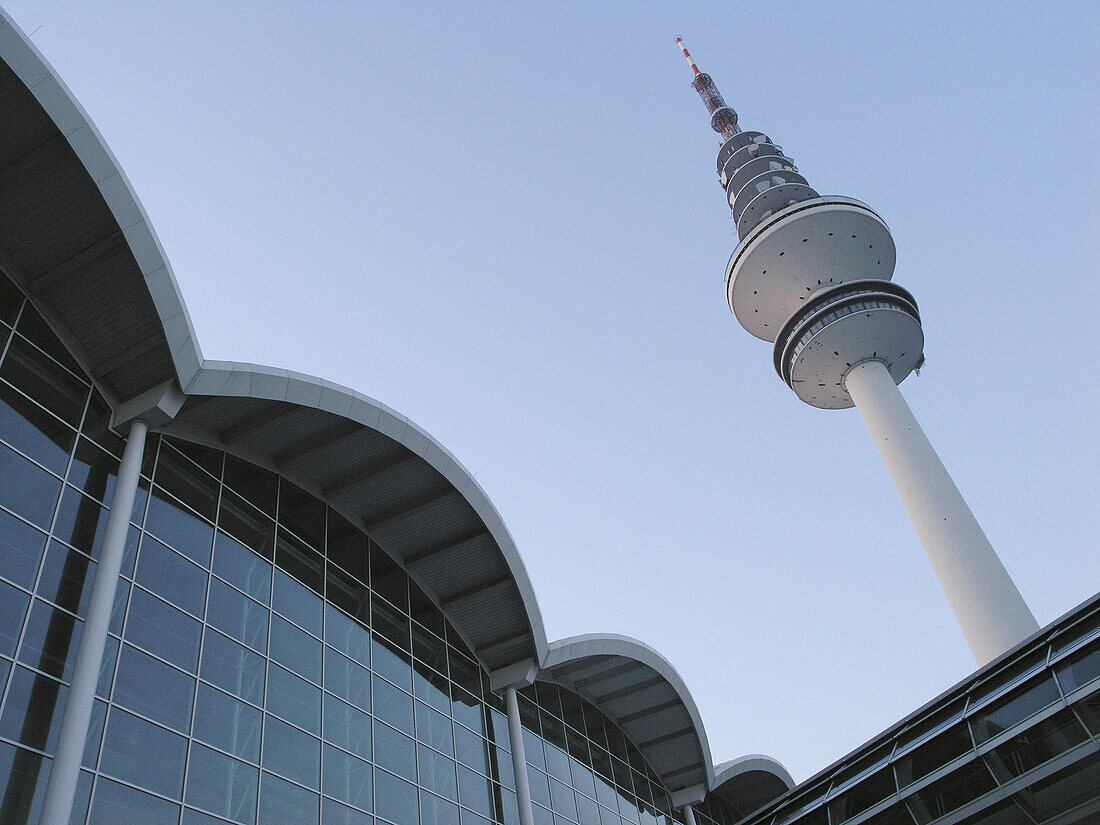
(503, 221)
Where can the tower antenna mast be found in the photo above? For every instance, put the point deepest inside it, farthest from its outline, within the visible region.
(812, 274)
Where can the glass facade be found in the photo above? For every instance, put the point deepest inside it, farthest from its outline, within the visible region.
(266, 663)
(1018, 743)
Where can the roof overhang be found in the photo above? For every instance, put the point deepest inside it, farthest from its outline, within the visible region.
(639, 690)
(751, 781)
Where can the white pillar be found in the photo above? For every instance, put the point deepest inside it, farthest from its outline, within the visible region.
(689, 814)
(61, 788)
(989, 608)
(519, 759)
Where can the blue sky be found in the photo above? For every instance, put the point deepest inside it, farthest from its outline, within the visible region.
(502, 220)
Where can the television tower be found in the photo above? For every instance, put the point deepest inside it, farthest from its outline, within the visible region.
(812, 274)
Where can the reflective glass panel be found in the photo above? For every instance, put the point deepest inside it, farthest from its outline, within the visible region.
(154, 689)
(50, 640)
(347, 778)
(285, 803)
(127, 745)
(233, 667)
(297, 602)
(20, 550)
(242, 568)
(163, 630)
(32, 710)
(117, 804)
(238, 616)
(221, 785)
(293, 698)
(27, 489)
(291, 753)
(295, 649)
(165, 572)
(395, 799)
(348, 727)
(66, 578)
(33, 431)
(228, 724)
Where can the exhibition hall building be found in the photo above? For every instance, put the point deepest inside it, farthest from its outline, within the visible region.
(238, 594)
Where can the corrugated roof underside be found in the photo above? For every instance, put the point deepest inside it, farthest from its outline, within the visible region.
(648, 710)
(68, 249)
(400, 500)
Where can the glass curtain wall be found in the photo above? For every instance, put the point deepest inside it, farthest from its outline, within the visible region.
(267, 662)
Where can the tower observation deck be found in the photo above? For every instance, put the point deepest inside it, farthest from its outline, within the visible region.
(812, 275)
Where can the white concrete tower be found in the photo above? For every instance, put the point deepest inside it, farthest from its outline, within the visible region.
(811, 274)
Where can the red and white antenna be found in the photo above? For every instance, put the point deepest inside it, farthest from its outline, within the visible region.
(722, 118)
(687, 54)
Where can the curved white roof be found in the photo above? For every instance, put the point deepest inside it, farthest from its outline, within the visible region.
(642, 693)
(751, 781)
(75, 235)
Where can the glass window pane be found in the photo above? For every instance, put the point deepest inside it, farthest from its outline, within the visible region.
(393, 705)
(172, 577)
(66, 578)
(93, 470)
(334, 813)
(286, 804)
(394, 751)
(195, 488)
(127, 745)
(437, 773)
(20, 550)
(388, 580)
(395, 799)
(954, 790)
(933, 754)
(233, 667)
(390, 624)
(438, 811)
(293, 698)
(391, 663)
(27, 489)
(32, 710)
(1014, 708)
(1036, 746)
(221, 785)
(1079, 669)
(208, 458)
(178, 527)
(471, 750)
(291, 752)
(347, 778)
(33, 431)
(348, 547)
(55, 388)
(241, 567)
(434, 728)
(297, 602)
(430, 687)
(301, 561)
(81, 522)
(13, 609)
(26, 774)
(347, 635)
(348, 593)
(236, 615)
(97, 423)
(562, 799)
(163, 630)
(154, 689)
(296, 649)
(303, 514)
(50, 640)
(467, 710)
(347, 727)
(228, 724)
(246, 524)
(347, 679)
(115, 804)
(257, 485)
(1073, 785)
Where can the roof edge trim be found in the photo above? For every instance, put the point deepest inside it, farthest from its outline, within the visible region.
(613, 644)
(243, 380)
(751, 762)
(60, 105)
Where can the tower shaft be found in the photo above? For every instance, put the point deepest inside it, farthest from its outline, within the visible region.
(812, 274)
(988, 606)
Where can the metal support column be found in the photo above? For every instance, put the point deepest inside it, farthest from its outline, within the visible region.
(689, 814)
(519, 759)
(992, 613)
(61, 789)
